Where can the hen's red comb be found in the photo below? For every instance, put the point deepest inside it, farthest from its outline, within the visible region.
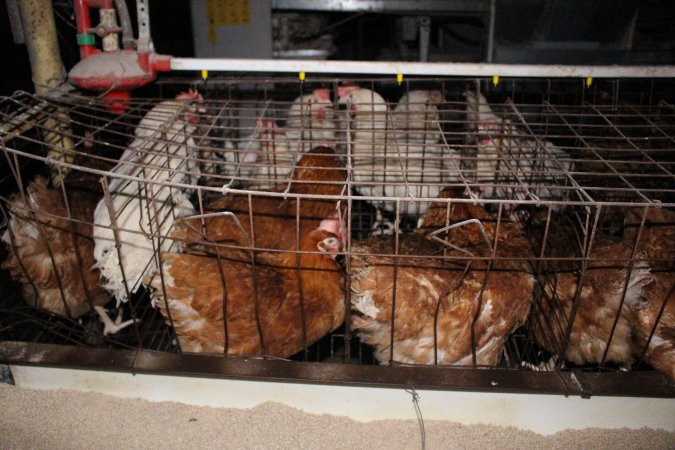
(346, 89)
(191, 94)
(322, 93)
(334, 225)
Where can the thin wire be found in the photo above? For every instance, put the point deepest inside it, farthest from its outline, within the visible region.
(418, 411)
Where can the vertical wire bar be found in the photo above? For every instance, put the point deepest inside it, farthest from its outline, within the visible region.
(107, 199)
(14, 169)
(556, 308)
(157, 248)
(477, 313)
(298, 268)
(542, 146)
(43, 239)
(224, 301)
(657, 320)
(629, 272)
(256, 303)
(221, 272)
(74, 242)
(393, 300)
(348, 257)
(540, 264)
(580, 280)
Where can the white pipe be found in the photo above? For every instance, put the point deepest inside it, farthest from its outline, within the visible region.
(418, 68)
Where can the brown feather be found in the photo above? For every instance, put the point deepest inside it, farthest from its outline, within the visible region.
(420, 283)
(275, 219)
(658, 240)
(195, 300)
(661, 350)
(600, 302)
(39, 234)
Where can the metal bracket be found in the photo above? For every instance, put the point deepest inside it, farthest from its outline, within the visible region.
(577, 378)
(6, 374)
(144, 38)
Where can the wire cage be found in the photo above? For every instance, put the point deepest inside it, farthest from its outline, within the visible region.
(526, 227)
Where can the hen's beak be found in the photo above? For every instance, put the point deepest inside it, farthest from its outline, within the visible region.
(331, 251)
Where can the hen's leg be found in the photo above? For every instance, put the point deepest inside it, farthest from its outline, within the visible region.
(110, 327)
(544, 366)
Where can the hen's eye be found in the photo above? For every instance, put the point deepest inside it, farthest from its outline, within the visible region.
(331, 241)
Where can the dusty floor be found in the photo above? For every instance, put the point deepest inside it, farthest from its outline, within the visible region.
(33, 419)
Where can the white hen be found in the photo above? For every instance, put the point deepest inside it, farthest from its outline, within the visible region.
(310, 124)
(311, 121)
(267, 155)
(386, 167)
(143, 212)
(416, 117)
(276, 157)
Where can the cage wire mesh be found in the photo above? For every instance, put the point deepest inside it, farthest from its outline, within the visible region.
(527, 225)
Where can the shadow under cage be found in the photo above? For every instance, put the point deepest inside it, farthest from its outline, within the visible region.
(451, 231)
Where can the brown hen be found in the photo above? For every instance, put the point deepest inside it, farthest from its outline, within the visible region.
(441, 306)
(601, 290)
(657, 303)
(52, 254)
(275, 219)
(298, 298)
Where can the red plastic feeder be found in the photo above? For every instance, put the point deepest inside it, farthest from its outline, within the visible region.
(117, 73)
(113, 72)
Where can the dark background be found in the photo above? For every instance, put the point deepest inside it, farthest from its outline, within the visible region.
(520, 33)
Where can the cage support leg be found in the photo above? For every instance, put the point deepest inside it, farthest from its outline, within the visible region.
(6, 374)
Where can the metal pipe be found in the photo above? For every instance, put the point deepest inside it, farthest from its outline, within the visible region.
(425, 30)
(125, 22)
(144, 43)
(83, 19)
(418, 68)
(48, 73)
(491, 31)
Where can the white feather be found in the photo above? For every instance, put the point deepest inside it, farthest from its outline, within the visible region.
(143, 211)
(268, 154)
(385, 167)
(311, 122)
(365, 304)
(416, 118)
